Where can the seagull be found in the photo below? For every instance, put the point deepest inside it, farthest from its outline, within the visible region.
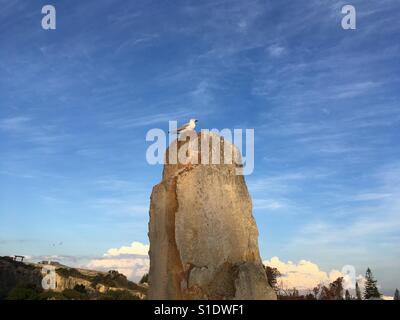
(186, 127)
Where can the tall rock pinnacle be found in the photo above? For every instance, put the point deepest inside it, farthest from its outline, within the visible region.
(203, 237)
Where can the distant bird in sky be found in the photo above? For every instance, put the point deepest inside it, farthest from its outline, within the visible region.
(186, 127)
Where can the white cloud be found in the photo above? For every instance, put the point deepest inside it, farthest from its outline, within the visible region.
(371, 196)
(132, 261)
(276, 50)
(132, 267)
(267, 204)
(136, 247)
(15, 124)
(285, 182)
(124, 122)
(305, 275)
(355, 89)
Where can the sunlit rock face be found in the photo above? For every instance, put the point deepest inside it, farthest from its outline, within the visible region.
(203, 237)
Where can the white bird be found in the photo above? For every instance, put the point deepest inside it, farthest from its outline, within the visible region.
(186, 127)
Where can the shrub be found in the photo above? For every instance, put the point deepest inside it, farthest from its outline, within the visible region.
(72, 294)
(23, 294)
(51, 295)
(71, 272)
(80, 288)
(119, 295)
(145, 278)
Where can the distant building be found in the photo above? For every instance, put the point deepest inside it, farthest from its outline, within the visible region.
(19, 258)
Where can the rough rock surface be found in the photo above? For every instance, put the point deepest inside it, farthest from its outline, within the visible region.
(203, 237)
(15, 272)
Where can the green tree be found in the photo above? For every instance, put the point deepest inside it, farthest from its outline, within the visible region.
(294, 293)
(336, 288)
(22, 294)
(273, 274)
(145, 278)
(72, 294)
(371, 290)
(396, 295)
(347, 295)
(358, 292)
(80, 288)
(51, 295)
(119, 295)
(24, 291)
(333, 292)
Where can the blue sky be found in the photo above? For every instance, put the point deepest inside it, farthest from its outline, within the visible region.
(76, 103)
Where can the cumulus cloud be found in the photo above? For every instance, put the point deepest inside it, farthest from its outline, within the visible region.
(133, 267)
(132, 261)
(306, 275)
(135, 248)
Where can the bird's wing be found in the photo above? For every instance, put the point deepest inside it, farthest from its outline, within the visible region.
(185, 126)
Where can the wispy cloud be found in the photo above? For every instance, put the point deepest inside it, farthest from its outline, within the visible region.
(140, 41)
(276, 50)
(284, 181)
(354, 89)
(15, 124)
(142, 121)
(121, 207)
(365, 227)
(371, 196)
(269, 204)
(26, 129)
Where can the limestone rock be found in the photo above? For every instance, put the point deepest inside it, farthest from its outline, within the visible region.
(203, 237)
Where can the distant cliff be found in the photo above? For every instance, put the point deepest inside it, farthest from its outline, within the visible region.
(19, 280)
